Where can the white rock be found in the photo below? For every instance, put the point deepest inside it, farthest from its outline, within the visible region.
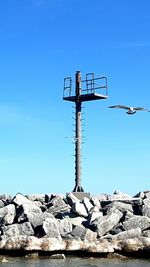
(80, 209)
(88, 205)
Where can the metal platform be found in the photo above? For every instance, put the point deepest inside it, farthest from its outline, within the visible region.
(86, 97)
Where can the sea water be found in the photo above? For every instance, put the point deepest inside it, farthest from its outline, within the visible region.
(75, 262)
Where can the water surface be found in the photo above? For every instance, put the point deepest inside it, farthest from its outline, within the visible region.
(75, 262)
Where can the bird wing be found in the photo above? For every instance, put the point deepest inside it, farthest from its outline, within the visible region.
(119, 106)
(140, 108)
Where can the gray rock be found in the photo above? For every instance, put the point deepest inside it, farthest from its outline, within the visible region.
(84, 234)
(77, 220)
(101, 197)
(104, 224)
(7, 214)
(142, 222)
(140, 194)
(57, 200)
(58, 206)
(6, 198)
(123, 207)
(37, 219)
(34, 255)
(31, 207)
(147, 194)
(146, 211)
(72, 199)
(119, 196)
(128, 215)
(94, 214)
(39, 204)
(90, 236)
(13, 243)
(79, 232)
(132, 201)
(59, 210)
(117, 229)
(95, 201)
(58, 256)
(146, 207)
(99, 246)
(20, 199)
(31, 213)
(65, 226)
(146, 202)
(18, 230)
(79, 209)
(51, 228)
(31, 243)
(37, 197)
(2, 204)
(133, 233)
(73, 244)
(134, 245)
(146, 233)
(88, 205)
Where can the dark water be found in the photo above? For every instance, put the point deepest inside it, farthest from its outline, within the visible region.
(75, 262)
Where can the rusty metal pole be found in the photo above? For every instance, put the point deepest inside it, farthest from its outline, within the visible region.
(78, 187)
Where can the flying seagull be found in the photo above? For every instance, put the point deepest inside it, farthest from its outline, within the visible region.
(130, 110)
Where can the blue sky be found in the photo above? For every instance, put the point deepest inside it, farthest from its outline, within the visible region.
(43, 41)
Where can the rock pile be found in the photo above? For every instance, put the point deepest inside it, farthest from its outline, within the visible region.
(103, 224)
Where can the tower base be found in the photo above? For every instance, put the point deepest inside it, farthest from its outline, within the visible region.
(78, 188)
(81, 195)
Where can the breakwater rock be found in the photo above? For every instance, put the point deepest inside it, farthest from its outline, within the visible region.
(102, 225)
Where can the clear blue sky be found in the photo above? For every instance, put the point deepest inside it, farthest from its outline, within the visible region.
(43, 41)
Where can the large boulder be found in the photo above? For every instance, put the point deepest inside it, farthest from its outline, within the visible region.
(72, 199)
(37, 197)
(2, 204)
(79, 208)
(146, 211)
(59, 210)
(104, 224)
(94, 214)
(119, 196)
(73, 244)
(146, 207)
(32, 213)
(87, 203)
(95, 201)
(84, 234)
(13, 243)
(133, 233)
(57, 206)
(51, 228)
(135, 221)
(133, 245)
(18, 229)
(100, 246)
(123, 207)
(7, 214)
(146, 233)
(37, 219)
(31, 243)
(65, 226)
(77, 220)
(20, 199)
(6, 198)
(90, 236)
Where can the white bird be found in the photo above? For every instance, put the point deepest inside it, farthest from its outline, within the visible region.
(130, 110)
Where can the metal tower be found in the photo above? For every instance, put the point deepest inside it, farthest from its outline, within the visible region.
(92, 88)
